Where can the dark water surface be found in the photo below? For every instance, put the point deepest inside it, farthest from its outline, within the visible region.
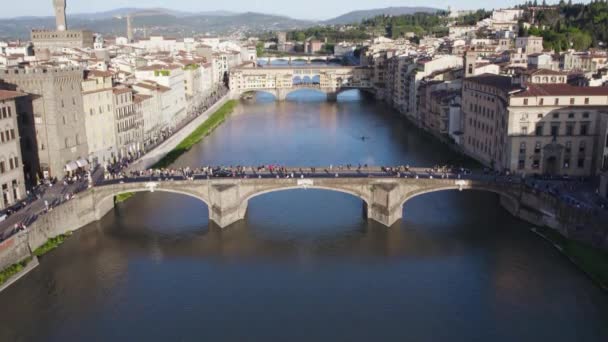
(304, 265)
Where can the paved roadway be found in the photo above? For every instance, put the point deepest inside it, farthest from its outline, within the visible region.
(53, 195)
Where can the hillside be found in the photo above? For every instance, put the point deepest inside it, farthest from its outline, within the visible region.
(358, 16)
(158, 21)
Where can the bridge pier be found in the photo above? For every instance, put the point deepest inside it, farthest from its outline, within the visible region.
(226, 205)
(332, 96)
(281, 94)
(385, 204)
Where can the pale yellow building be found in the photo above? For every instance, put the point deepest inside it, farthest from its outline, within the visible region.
(527, 128)
(99, 116)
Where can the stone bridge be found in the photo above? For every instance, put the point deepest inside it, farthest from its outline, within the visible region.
(299, 58)
(281, 81)
(227, 198)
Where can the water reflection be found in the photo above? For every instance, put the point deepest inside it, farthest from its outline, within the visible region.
(305, 264)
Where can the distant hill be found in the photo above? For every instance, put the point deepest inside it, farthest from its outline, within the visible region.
(158, 21)
(357, 16)
(144, 12)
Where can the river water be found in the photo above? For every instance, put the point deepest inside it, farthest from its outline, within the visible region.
(305, 265)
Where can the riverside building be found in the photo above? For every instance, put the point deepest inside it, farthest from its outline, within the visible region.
(512, 123)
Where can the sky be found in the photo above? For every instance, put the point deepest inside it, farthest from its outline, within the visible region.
(300, 9)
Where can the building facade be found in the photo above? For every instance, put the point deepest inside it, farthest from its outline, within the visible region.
(57, 127)
(12, 179)
(129, 125)
(527, 128)
(97, 98)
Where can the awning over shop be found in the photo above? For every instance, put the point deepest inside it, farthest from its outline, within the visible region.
(82, 162)
(71, 166)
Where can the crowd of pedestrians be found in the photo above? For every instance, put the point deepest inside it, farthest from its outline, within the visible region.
(565, 189)
(49, 194)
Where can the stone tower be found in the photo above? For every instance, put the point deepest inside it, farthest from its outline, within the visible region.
(60, 15)
(129, 29)
(470, 62)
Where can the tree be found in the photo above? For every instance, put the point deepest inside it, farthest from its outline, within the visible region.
(259, 49)
(300, 37)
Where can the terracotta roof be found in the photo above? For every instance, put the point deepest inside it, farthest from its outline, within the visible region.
(9, 94)
(561, 90)
(497, 81)
(153, 86)
(119, 91)
(96, 91)
(545, 72)
(138, 98)
(152, 67)
(99, 73)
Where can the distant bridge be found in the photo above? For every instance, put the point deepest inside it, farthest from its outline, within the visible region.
(383, 193)
(282, 81)
(308, 59)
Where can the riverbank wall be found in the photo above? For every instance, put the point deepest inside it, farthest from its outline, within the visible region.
(544, 210)
(14, 250)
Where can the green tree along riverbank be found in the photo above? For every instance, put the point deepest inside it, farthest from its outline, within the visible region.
(593, 261)
(51, 244)
(197, 135)
(12, 270)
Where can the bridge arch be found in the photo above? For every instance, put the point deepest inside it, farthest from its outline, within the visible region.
(353, 193)
(106, 198)
(501, 192)
(272, 92)
(305, 87)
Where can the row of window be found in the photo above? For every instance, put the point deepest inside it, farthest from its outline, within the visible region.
(127, 125)
(12, 162)
(8, 135)
(6, 200)
(477, 87)
(6, 112)
(124, 111)
(582, 147)
(68, 142)
(485, 147)
(63, 103)
(555, 129)
(556, 115)
(92, 111)
(64, 120)
(482, 126)
(556, 101)
(580, 163)
(485, 112)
